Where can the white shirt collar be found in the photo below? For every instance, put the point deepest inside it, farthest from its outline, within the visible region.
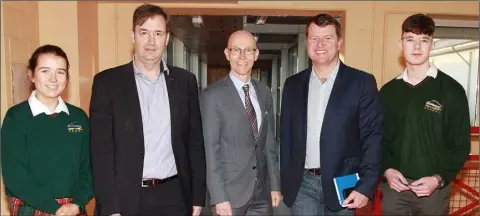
(38, 107)
(432, 72)
(239, 83)
(332, 76)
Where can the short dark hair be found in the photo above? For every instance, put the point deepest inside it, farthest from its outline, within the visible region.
(147, 11)
(47, 49)
(323, 20)
(419, 24)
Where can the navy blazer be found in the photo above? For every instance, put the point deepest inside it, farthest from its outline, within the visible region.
(350, 140)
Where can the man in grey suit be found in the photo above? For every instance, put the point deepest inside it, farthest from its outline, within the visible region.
(241, 151)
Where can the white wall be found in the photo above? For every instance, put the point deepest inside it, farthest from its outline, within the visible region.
(177, 52)
(194, 66)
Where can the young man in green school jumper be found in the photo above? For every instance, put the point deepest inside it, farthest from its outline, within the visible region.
(426, 129)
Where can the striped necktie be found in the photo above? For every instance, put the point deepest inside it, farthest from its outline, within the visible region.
(251, 115)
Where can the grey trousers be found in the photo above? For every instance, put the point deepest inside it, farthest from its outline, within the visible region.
(257, 205)
(407, 202)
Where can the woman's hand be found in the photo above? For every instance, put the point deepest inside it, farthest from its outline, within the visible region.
(68, 209)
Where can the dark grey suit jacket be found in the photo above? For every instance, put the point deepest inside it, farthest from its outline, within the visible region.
(232, 154)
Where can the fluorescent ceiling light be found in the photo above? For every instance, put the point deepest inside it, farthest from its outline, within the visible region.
(197, 21)
(261, 20)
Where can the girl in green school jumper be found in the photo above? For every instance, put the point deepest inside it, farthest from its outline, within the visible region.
(45, 144)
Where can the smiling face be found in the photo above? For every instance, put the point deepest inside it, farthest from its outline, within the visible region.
(50, 76)
(416, 48)
(150, 39)
(241, 52)
(323, 44)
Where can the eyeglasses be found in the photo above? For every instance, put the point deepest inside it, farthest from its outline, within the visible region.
(420, 40)
(238, 51)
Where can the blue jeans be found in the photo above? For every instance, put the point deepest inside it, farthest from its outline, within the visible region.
(310, 199)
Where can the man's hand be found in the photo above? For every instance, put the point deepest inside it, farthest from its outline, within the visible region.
(276, 197)
(68, 209)
(196, 210)
(224, 209)
(396, 181)
(424, 186)
(359, 200)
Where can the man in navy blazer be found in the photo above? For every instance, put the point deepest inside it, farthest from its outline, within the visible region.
(330, 126)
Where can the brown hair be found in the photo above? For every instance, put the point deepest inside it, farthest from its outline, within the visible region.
(147, 11)
(419, 24)
(323, 20)
(43, 50)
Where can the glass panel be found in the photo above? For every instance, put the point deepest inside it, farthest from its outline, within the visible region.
(459, 59)
(292, 60)
(279, 96)
(266, 77)
(186, 59)
(200, 73)
(476, 111)
(170, 51)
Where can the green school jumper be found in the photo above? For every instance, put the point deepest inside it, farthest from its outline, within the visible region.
(426, 127)
(46, 157)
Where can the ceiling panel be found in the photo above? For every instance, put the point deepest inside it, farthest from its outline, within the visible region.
(270, 52)
(290, 20)
(212, 37)
(276, 38)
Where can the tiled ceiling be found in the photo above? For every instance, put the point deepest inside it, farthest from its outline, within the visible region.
(291, 20)
(276, 38)
(269, 51)
(212, 37)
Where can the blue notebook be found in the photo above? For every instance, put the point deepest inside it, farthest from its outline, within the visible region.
(344, 185)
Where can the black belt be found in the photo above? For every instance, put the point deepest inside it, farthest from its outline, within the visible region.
(154, 182)
(314, 171)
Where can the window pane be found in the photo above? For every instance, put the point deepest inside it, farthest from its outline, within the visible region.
(459, 59)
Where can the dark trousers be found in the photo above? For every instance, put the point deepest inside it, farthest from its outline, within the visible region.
(164, 199)
(407, 202)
